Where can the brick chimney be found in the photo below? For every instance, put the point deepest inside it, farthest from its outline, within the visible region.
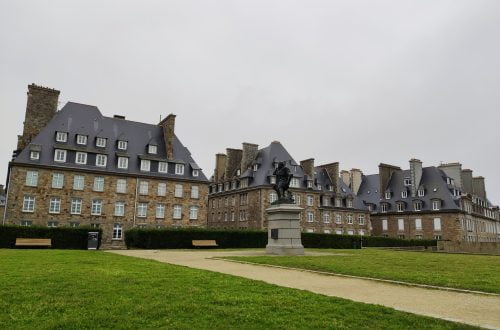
(220, 167)
(356, 177)
(168, 127)
(308, 167)
(466, 177)
(233, 161)
(415, 175)
(479, 187)
(249, 153)
(333, 172)
(385, 173)
(40, 108)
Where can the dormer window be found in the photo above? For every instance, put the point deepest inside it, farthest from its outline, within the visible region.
(404, 194)
(319, 187)
(407, 182)
(387, 195)
(272, 179)
(330, 187)
(417, 206)
(123, 163)
(384, 207)
(349, 203)
(61, 137)
(100, 142)
(436, 205)
(370, 207)
(295, 168)
(219, 187)
(449, 181)
(122, 145)
(338, 202)
(196, 172)
(34, 155)
(179, 169)
(295, 183)
(255, 167)
(238, 172)
(81, 139)
(309, 184)
(145, 165)
(101, 160)
(163, 167)
(401, 207)
(60, 156)
(152, 149)
(421, 193)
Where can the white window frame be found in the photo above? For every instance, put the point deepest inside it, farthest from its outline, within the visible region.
(404, 194)
(29, 203)
(31, 178)
(387, 195)
(418, 224)
(338, 219)
(310, 200)
(349, 203)
(121, 186)
(400, 207)
(436, 205)
(196, 173)
(179, 169)
(195, 192)
(122, 145)
(421, 193)
(81, 139)
(179, 190)
(123, 163)
(98, 184)
(160, 211)
(78, 182)
(437, 225)
(193, 213)
(55, 205)
(326, 217)
(152, 149)
(350, 219)
(383, 208)
(295, 183)
(60, 155)
(101, 160)
(96, 207)
(361, 219)
(57, 180)
(76, 206)
(100, 142)
(117, 232)
(162, 167)
(34, 155)
(145, 165)
(401, 224)
(81, 158)
(310, 216)
(142, 210)
(273, 197)
(162, 189)
(143, 187)
(385, 225)
(419, 208)
(61, 136)
(119, 209)
(177, 212)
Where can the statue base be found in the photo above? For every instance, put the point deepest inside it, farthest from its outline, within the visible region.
(283, 230)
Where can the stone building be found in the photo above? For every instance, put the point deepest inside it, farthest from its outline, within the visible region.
(2, 202)
(444, 202)
(241, 190)
(76, 167)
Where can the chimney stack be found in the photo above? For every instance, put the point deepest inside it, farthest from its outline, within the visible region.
(308, 167)
(168, 127)
(249, 152)
(345, 176)
(467, 181)
(385, 173)
(355, 180)
(233, 161)
(333, 172)
(454, 171)
(220, 167)
(415, 175)
(40, 108)
(479, 187)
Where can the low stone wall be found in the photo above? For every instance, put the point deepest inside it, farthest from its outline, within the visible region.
(469, 247)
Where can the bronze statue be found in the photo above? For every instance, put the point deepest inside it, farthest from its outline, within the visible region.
(283, 178)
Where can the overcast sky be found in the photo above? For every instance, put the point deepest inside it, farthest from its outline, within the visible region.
(359, 82)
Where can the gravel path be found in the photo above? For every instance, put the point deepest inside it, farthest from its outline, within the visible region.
(474, 309)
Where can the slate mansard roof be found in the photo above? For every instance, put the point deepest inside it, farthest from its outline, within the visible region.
(75, 118)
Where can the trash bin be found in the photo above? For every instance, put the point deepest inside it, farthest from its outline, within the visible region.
(93, 240)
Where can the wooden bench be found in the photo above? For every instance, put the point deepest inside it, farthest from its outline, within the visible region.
(204, 243)
(47, 242)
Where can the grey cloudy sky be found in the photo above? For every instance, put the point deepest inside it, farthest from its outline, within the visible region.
(359, 82)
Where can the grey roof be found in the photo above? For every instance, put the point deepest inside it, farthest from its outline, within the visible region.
(76, 118)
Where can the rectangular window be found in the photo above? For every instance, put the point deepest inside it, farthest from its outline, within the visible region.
(338, 218)
(193, 213)
(32, 178)
(404, 194)
(29, 204)
(177, 212)
(57, 180)
(179, 169)
(383, 207)
(76, 206)
(388, 195)
(100, 142)
(273, 197)
(295, 183)
(145, 165)
(361, 219)
(401, 207)
(121, 186)
(117, 231)
(326, 217)
(437, 224)
(327, 231)
(384, 224)
(195, 192)
(123, 163)
(338, 231)
(160, 211)
(350, 232)
(436, 205)
(55, 205)
(310, 216)
(81, 158)
(26, 223)
(407, 182)
(162, 189)
(421, 193)
(119, 209)
(142, 210)
(310, 200)
(418, 224)
(401, 224)
(78, 182)
(178, 190)
(94, 225)
(361, 232)
(163, 167)
(61, 137)
(98, 183)
(60, 155)
(122, 145)
(349, 219)
(197, 173)
(101, 160)
(74, 224)
(52, 224)
(152, 149)
(232, 216)
(418, 206)
(34, 155)
(349, 203)
(143, 187)
(96, 207)
(418, 236)
(81, 139)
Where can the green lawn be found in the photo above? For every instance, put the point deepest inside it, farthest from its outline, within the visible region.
(473, 272)
(62, 289)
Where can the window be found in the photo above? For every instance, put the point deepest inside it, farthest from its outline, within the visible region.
(94, 225)
(152, 149)
(52, 224)
(29, 204)
(401, 236)
(310, 200)
(350, 232)
(310, 216)
(296, 198)
(326, 217)
(121, 186)
(55, 205)
(338, 231)
(361, 232)
(437, 224)
(243, 215)
(81, 158)
(78, 182)
(421, 193)
(142, 210)
(122, 145)
(145, 165)
(101, 160)
(76, 206)
(273, 197)
(160, 211)
(195, 192)
(177, 212)
(26, 223)
(162, 189)
(338, 202)
(143, 187)
(309, 184)
(401, 207)
(98, 183)
(32, 178)
(418, 236)
(123, 163)
(295, 183)
(60, 155)
(119, 209)
(178, 190)
(401, 224)
(117, 231)
(338, 219)
(179, 169)
(387, 195)
(437, 237)
(349, 203)
(383, 207)
(319, 187)
(232, 216)
(81, 139)
(57, 180)
(163, 167)
(197, 173)
(96, 207)
(418, 224)
(384, 224)
(361, 219)
(34, 155)
(349, 219)
(404, 194)
(61, 136)
(255, 167)
(418, 206)
(407, 182)
(436, 205)
(193, 213)
(100, 142)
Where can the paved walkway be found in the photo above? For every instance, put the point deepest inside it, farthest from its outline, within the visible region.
(475, 309)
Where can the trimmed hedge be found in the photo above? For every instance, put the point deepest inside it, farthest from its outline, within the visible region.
(329, 241)
(62, 237)
(378, 241)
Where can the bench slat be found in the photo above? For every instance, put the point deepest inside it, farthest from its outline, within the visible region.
(33, 242)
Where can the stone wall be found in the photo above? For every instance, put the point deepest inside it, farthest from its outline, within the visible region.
(492, 248)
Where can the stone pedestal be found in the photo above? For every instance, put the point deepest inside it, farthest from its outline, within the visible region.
(283, 230)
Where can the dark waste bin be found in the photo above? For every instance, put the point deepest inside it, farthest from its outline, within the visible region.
(93, 240)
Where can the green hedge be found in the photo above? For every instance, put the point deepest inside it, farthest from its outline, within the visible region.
(329, 241)
(377, 241)
(62, 238)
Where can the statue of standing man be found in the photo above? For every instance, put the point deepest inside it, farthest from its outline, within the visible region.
(283, 177)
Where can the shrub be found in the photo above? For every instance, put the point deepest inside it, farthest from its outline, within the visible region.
(329, 241)
(62, 237)
(377, 241)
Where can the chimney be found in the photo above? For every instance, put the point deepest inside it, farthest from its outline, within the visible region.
(249, 153)
(415, 175)
(333, 172)
(168, 127)
(356, 178)
(345, 176)
(454, 171)
(220, 167)
(478, 186)
(40, 108)
(385, 173)
(233, 161)
(467, 181)
(308, 167)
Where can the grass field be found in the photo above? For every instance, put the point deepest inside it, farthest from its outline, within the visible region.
(473, 272)
(88, 289)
